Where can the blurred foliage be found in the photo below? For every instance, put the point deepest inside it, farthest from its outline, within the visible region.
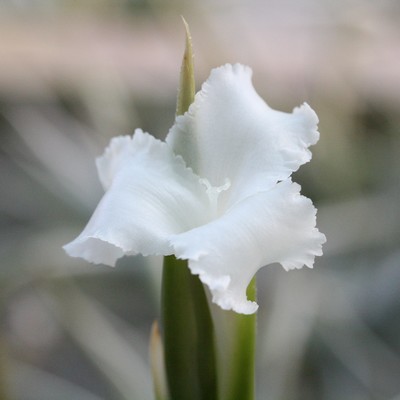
(73, 74)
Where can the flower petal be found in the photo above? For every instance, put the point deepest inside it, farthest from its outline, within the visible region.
(273, 226)
(231, 133)
(151, 195)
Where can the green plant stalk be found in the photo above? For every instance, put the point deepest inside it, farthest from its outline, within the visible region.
(188, 332)
(206, 355)
(241, 384)
(179, 331)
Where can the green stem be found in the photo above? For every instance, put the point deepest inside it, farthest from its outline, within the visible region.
(242, 373)
(206, 357)
(188, 334)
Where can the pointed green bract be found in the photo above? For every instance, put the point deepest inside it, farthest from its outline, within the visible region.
(187, 83)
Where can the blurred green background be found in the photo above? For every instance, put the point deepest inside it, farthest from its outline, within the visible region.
(73, 74)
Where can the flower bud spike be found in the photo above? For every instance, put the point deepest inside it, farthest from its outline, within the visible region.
(187, 83)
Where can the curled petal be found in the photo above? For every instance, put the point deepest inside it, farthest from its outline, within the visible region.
(150, 196)
(273, 226)
(231, 133)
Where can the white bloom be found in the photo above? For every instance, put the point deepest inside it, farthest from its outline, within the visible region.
(218, 191)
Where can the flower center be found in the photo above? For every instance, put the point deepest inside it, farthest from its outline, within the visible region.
(213, 193)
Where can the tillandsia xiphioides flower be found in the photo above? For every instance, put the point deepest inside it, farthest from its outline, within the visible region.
(217, 192)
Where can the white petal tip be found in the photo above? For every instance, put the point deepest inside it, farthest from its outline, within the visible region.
(306, 110)
(94, 250)
(309, 121)
(227, 302)
(307, 259)
(221, 292)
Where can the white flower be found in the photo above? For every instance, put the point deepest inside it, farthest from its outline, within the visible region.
(217, 192)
